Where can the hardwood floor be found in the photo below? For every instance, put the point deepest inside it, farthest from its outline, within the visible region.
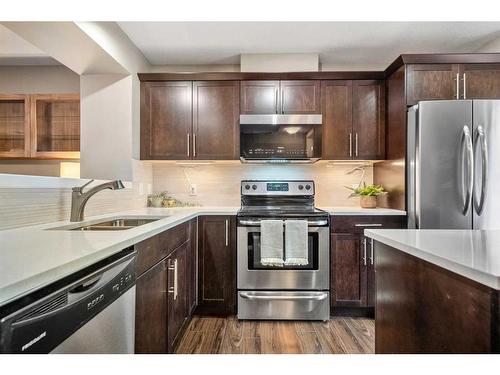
(212, 335)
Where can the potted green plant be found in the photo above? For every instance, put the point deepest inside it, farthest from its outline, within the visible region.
(368, 194)
(156, 199)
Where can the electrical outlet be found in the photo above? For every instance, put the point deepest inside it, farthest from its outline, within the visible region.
(193, 191)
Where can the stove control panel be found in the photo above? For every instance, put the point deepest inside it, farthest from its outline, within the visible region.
(252, 187)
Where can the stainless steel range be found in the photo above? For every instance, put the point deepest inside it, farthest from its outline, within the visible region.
(279, 218)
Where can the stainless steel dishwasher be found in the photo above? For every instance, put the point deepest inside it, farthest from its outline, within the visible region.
(92, 311)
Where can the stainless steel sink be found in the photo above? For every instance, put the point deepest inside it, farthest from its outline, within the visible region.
(120, 223)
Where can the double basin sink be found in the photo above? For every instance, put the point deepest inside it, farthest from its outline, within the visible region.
(112, 224)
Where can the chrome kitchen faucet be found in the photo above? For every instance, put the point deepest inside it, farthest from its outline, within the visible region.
(79, 198)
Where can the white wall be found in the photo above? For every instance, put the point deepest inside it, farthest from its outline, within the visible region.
(279, 62)
(106, 121)
(38, 80)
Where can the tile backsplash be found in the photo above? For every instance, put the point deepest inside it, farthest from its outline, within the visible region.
(32, 202)
(218, 184)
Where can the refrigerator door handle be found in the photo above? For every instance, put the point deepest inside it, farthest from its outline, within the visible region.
(481, 140)
(466, 143)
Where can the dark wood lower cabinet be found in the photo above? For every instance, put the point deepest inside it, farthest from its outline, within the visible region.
(177, 294)
(422, 308)
(151, 310)
(352, 262)
(192, 267)
(216, 265)
(166, 291)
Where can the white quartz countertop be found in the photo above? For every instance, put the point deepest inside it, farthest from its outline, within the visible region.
(362, 211)
(33, 257)
(474, 254)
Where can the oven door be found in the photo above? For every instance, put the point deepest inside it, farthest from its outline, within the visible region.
(252, 275)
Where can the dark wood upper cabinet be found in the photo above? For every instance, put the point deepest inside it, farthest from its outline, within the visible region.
(177, 294)
(300, 97)
(166, 120)
(285, 97)
(216, 110)
(259, 97)
(151, 310)
(368, 120)
(431, 82)
(216, 265)
(353, 120)
(480, 81)
(336, 98)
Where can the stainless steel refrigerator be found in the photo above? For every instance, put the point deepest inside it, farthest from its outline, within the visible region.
(453, 170)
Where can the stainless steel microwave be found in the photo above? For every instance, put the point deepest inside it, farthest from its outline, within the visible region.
(280, 138)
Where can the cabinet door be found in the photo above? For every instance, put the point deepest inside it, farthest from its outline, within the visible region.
(151, 311)
(348, 271)
(336, 98)
(166, 120)
(431, 82)
(370, 273)
(480, 81)
(216, 111)
(14, 126)
(192, 265)
(259, 97)
(368, 120)
(301, 97)
(55, 126)
(177, 294)
(216, 265)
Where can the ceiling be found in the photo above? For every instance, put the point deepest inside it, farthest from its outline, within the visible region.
(350, 44)
(14, 50)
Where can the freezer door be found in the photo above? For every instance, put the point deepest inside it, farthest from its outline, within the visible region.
(444, 165)
(486, 157)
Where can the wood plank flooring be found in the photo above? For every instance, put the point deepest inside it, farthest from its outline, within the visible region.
(213, 335)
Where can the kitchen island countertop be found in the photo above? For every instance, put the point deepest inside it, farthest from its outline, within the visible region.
(474, 254)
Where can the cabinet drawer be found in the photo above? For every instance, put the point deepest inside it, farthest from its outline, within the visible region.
(357, 224)
(152, 250)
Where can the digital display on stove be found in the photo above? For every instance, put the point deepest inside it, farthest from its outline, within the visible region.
(277, 186)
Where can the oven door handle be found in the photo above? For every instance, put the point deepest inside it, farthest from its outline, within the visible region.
(256, 223)
(312, 297)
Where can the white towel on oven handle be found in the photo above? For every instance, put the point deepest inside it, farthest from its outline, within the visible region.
(271, 243)
(296, 243)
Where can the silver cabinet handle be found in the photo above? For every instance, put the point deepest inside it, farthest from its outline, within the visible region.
(457, 86)
(350, 144)
(371, 252)
(174, 288)
(194, 145)
(227, 232)
(481, 140)
(466, 145)
(255, 296)
(188, 142)
(356, 141)
(368, 225)
(282, 100)
(277, 101)
(465, 90)
(364, 251)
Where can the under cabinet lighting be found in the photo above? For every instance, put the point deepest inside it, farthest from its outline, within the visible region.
(69, 170)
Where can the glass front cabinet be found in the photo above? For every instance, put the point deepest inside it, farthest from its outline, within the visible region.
(40, 126)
